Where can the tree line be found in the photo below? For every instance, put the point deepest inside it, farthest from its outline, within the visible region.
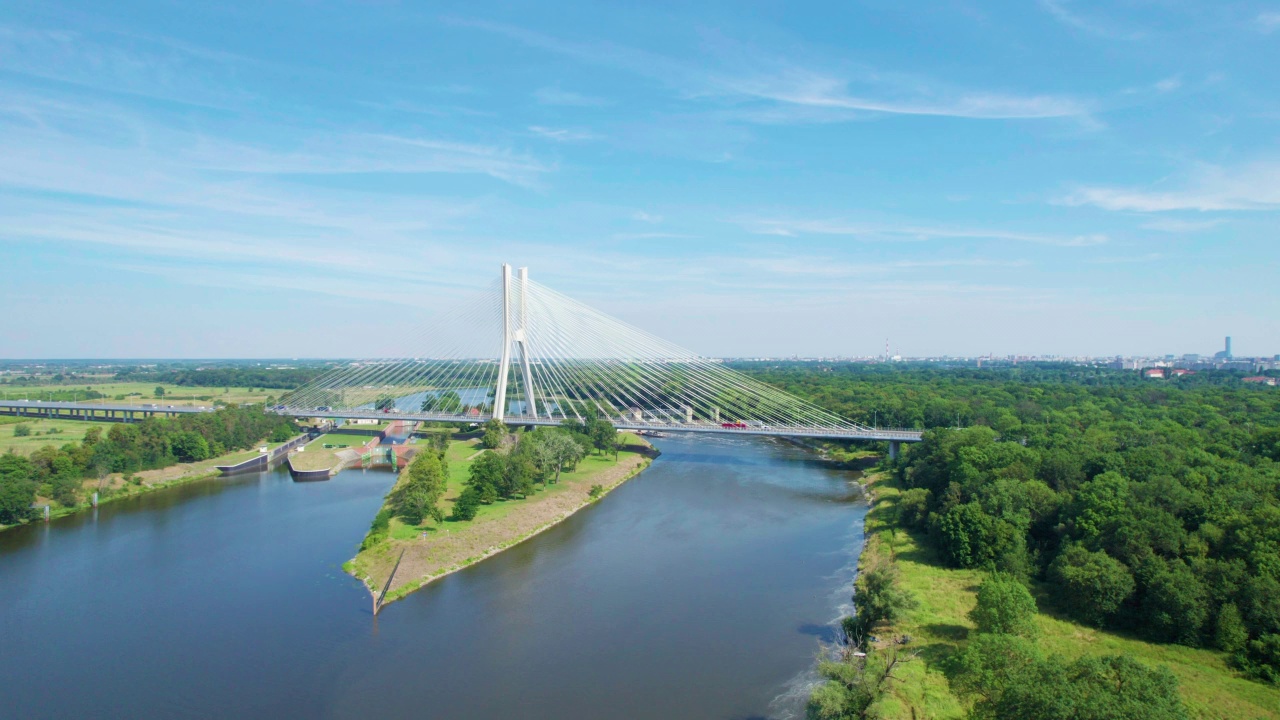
(1150, 508)
(503, 470)
(59, 472)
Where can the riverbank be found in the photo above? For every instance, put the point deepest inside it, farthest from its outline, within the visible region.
(940, 626)
(118, 486)
(438, 550)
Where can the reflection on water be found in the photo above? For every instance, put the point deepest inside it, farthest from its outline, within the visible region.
(698, 590)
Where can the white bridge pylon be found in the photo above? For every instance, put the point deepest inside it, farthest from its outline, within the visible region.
(570, 362)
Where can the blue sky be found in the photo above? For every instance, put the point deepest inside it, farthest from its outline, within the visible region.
(309, 179)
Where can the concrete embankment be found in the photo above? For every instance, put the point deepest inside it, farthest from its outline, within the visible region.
(316, 462)
(264, 461)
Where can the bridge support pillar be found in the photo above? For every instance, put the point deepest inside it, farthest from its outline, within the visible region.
(894, 447)
(500, 392)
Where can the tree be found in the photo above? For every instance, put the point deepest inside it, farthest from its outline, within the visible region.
(878, 598)
(558, 450)
(519, 474)
(17, 489)
(1093, 584)
(22, 430)
(853, 685)
(190, 447)
(384, 402)
(159, 392)
(1230, 634)
(467, 504)
(1012, 681)
(601, 433)
(969, 537)
(495, 432)
(419, 495)
(1004, 606)
(1174, 602)
(488, 476)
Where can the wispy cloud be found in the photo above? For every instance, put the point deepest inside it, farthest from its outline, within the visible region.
(905, 232)
(1169, 84)
(643, 216)
(563, 135)
(1174, 225)
(554, 95)
(1255, 186)
(810, 95)
(821, 91)
(1061, 11)
(651, 236)
(1126, 260)
(814, 266)
(1268, 22)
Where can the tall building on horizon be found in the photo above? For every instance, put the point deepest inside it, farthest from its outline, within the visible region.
(1225, 353)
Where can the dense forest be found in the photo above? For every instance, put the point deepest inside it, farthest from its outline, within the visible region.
(1147, 506)
(59, 472)
(273, 378)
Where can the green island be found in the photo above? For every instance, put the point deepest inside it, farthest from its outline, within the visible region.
(464, 497)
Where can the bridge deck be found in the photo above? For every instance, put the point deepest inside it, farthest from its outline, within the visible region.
(18, 405)
(698, 427)
(41, 408)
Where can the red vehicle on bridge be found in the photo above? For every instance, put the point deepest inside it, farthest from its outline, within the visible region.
(734, 425)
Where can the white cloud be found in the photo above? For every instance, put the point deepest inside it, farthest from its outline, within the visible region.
(1268, 22)
(806, 89)
(1169, 84)
(643, 216)
(798, 94)
(884, 232)
(1060, 10)
(1255, 186)
(1127, 260)
(562, 134)
(1174, 225)
(556, 96)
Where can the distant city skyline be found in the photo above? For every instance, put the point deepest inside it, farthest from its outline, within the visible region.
(746, 179)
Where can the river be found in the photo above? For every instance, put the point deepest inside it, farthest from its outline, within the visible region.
(699, 589)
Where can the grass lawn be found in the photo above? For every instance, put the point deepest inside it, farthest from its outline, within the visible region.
(70, 431)
(940, 626)
(433, 549)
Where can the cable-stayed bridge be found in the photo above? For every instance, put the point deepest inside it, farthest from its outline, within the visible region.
(525, 354)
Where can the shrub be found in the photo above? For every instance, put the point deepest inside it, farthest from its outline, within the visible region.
(596, 491)
(22, 430)
(878, 598)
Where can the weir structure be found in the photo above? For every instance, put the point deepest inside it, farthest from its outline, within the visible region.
(525, 354)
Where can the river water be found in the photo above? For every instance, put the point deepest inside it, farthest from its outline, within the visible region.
(699, 589)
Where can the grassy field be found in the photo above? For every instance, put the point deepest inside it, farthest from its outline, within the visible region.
(940, 626)
(145, 393)
(68, 431)
(435, 549)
